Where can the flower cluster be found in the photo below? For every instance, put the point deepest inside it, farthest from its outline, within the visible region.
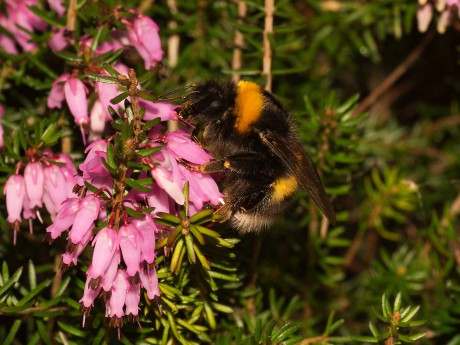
(131, 243)
(46, 180)
(19, 20)
(448, 9)
(102, 204)
(75, 92)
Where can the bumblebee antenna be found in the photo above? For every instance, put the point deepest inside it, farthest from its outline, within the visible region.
(164, 97)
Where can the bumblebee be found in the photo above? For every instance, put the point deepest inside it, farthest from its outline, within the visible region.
(260, 158)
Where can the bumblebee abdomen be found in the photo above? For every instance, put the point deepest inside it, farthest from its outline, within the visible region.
(283, 188)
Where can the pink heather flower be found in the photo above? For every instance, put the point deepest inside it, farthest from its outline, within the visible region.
(180, 145)
(55, 185)
(65, 217)
(98, 118)
(19, 16)
(202, 188)
(15, 191)
(105, 244)
(93, 169)
(72, 252)
(111, 271)
(107, 46)
(129, 240)
(149, 281)
(57, 6)
(29, 212)
(444, 21)
(159, 199)
(118, 296)
(75, 95)
(58, 41)
(143, 35)
(133, 297)
(84, 220)
(424, 15)
(168, 176)
(34, 179)
(87, 301)
(147, 230)
(7, 44)
(153, 110)
(56, 96)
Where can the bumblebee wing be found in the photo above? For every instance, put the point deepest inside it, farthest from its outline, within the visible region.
(301, 167)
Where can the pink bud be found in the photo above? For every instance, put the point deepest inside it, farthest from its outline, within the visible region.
(87, 301)
(58, 41)
(149, 281)
(65, 217)
(15, 191)
(8, 45)
(143, 35)
(84, 220)
(57, 6)
(109, 275)
(133, 297)
(159, 199)
(153, 110)
(55, 185)
(56, 95)
(97, 118)
(34, 178)
(128, 238)
(147, 230)
(105, 243)
(118, 297)
(181, 146)
(75, 96)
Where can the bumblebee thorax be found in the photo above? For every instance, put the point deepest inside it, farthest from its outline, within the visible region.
(248, 106)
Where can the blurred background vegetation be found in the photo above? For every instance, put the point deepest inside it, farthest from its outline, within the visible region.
(376, 105)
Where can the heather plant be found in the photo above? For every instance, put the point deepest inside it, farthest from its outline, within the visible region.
(108, 233)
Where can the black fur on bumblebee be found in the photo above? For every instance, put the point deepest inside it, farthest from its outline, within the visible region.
(261, 160)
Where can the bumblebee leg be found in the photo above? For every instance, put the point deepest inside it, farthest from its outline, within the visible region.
(225, 211)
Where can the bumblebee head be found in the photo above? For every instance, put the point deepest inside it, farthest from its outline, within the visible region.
(208, 101)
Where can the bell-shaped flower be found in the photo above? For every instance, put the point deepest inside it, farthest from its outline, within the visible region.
(128, 237)
(110, 273)
(153, 110)
(72, 252)
(147, 230)
(84, 220)
(97, 119)
(55, 185)
(133, 297)
(159, 199)
(118, 298)
(87, 301)
(202, 188)
(56, 96)
(143, 35)
(57, 6)
(15, 191)
(34, 179)
(105, 244)
(7, 44)
(75, 95)
(168, 176)
(58, 40)
(180, 145)
(92, 166)
(149, 281)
